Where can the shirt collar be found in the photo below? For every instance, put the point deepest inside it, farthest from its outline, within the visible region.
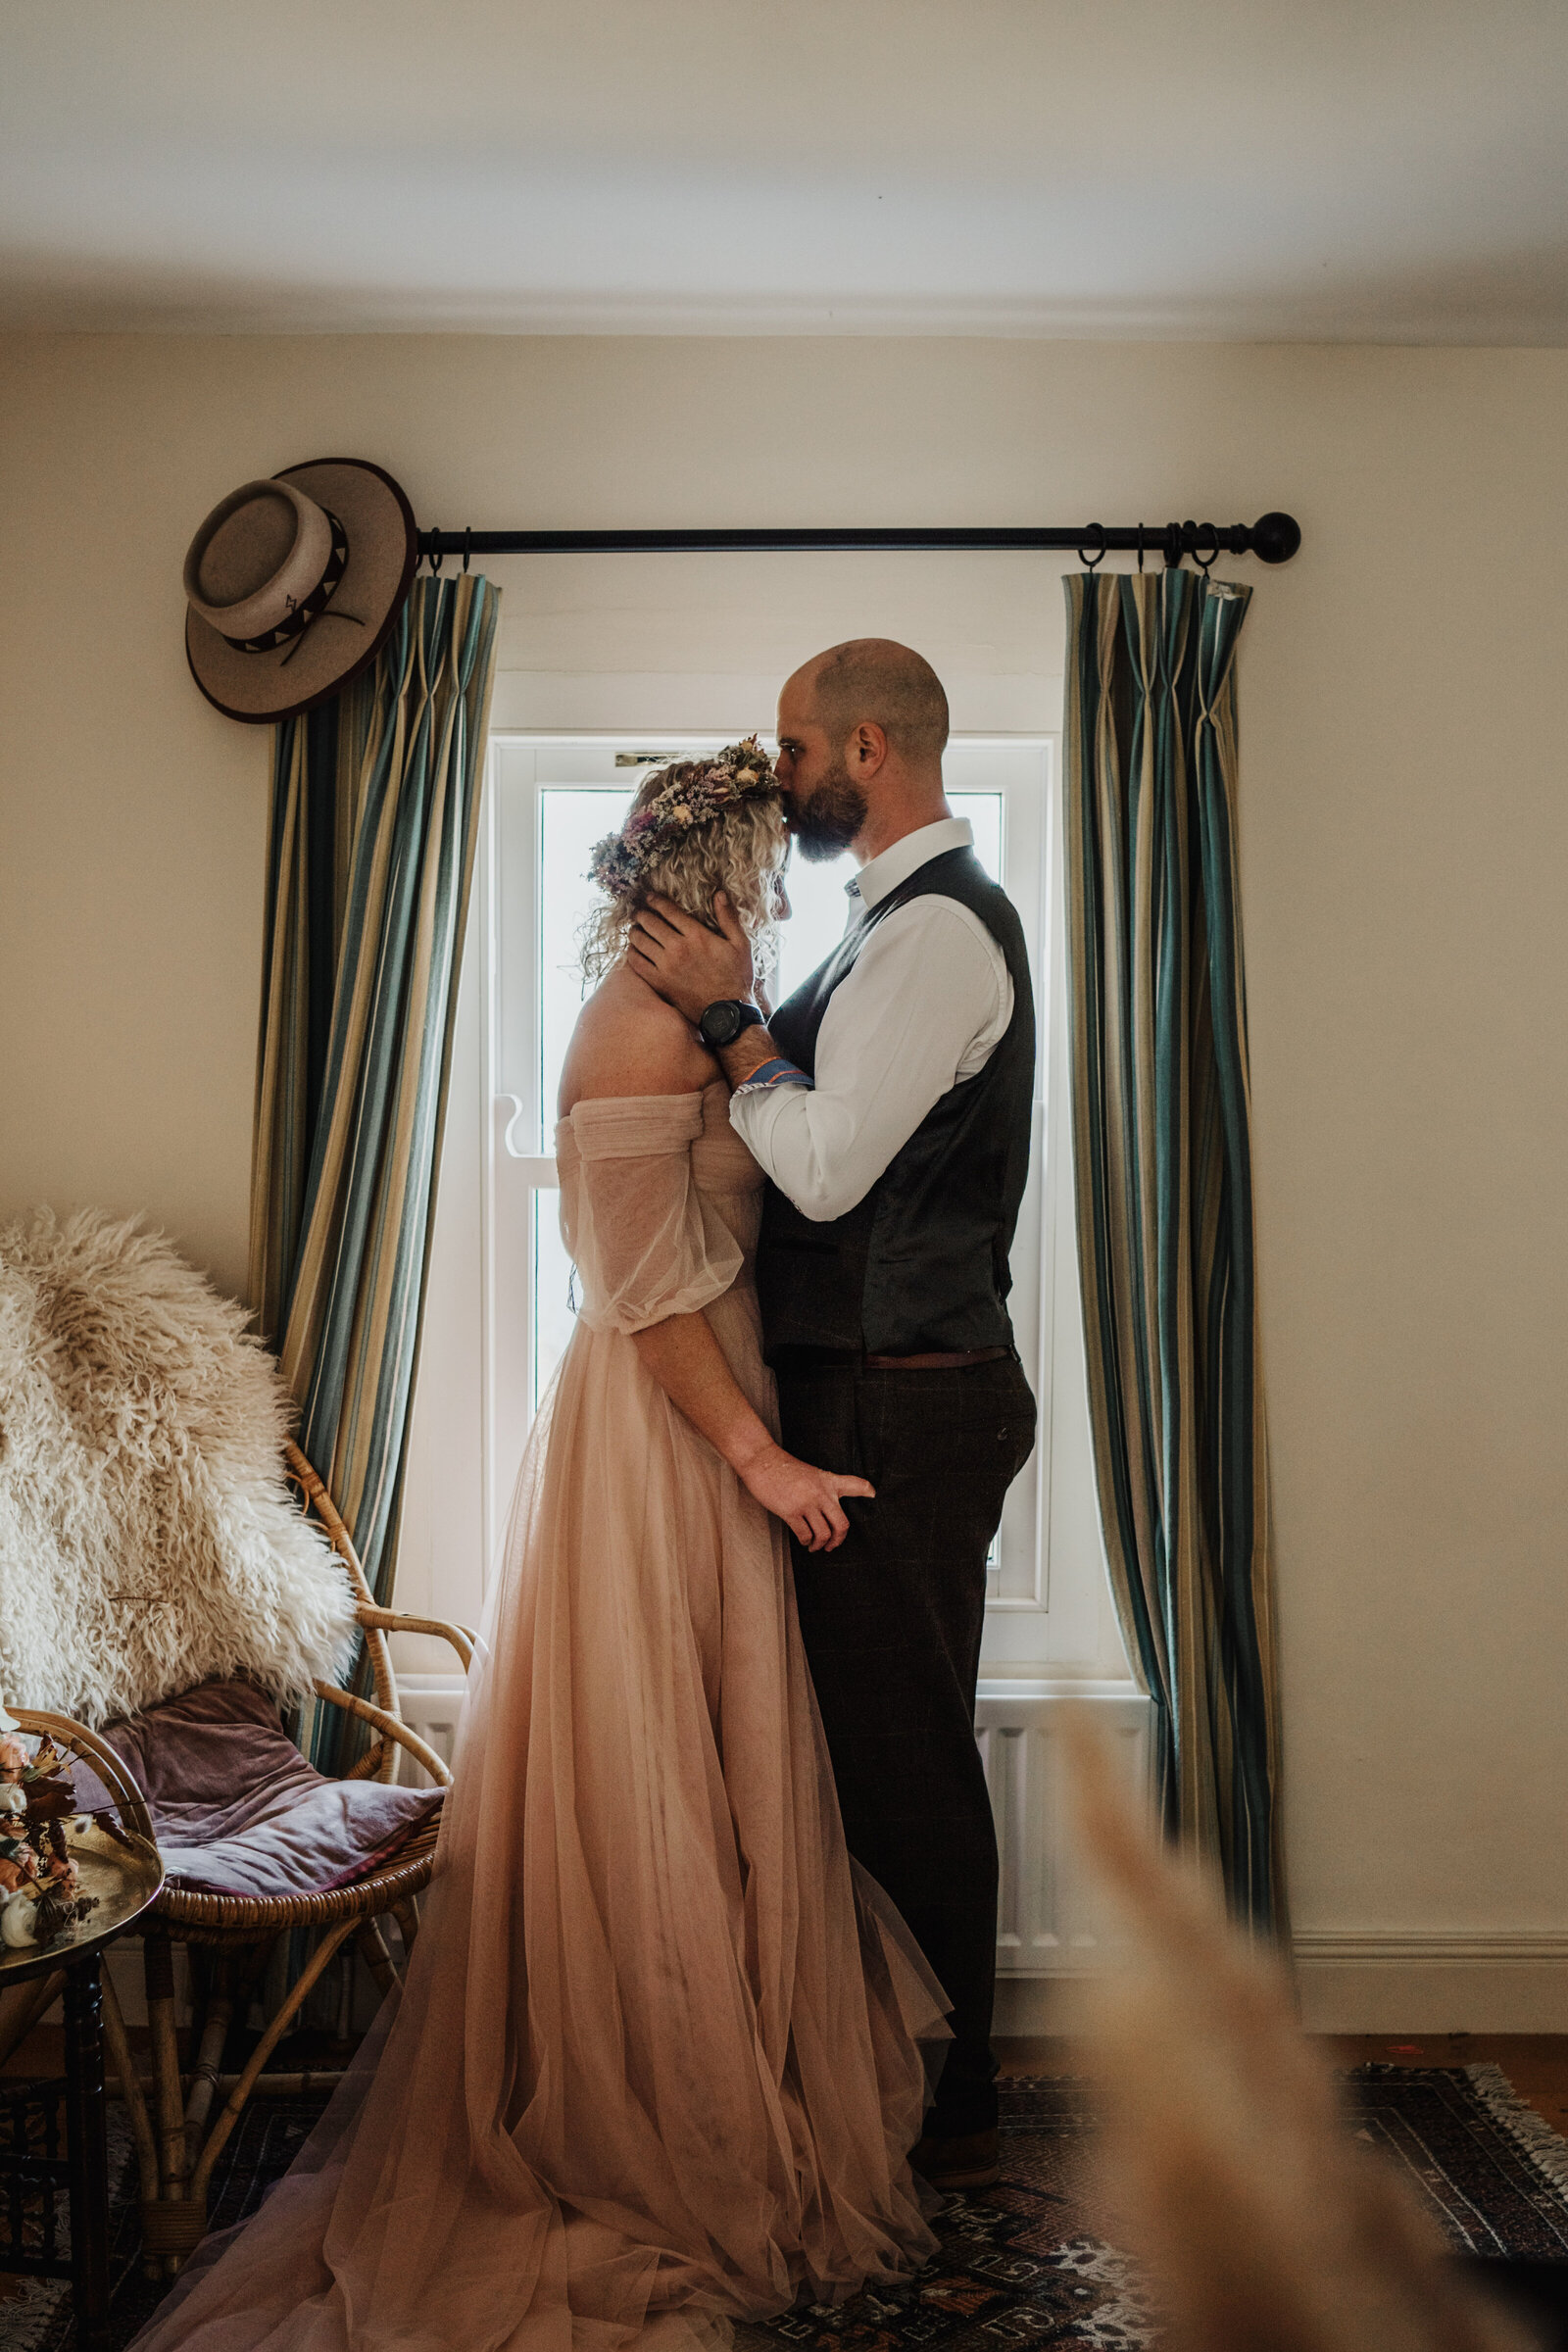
(880, 875)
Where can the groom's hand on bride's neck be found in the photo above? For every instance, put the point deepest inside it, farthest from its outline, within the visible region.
(685, 963)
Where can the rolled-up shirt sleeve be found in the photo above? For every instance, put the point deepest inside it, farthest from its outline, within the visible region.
(897, 1029)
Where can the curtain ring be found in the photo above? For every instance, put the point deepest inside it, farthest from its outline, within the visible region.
(1140, 547)
(1206, 530)
(1171, 546)
(437, 559)
(468, 544)
(1100, 558)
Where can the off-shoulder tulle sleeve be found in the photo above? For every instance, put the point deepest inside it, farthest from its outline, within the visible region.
(645, 1241)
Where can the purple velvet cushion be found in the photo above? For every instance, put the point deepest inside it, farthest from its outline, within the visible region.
(237, 1809)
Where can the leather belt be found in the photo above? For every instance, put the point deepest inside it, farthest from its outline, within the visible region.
(849, 1359)
(952, 1361)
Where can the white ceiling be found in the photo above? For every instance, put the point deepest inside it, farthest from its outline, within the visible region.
(1368, 170)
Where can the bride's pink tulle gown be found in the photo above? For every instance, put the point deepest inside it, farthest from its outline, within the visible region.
(659, 2058)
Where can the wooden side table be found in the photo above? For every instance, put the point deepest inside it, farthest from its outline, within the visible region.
(117, 1861)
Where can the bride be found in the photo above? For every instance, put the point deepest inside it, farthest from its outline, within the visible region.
(658, 2060)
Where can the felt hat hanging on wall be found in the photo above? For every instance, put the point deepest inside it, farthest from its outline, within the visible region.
(293, 584)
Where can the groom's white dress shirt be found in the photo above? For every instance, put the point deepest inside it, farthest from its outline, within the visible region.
(926, 1003)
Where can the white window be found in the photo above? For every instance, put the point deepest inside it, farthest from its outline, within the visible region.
(551, 799)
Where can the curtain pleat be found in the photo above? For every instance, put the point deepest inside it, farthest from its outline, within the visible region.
(1162, 1160)
(371, 858)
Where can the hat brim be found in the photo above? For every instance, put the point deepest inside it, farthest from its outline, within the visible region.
(259, 689)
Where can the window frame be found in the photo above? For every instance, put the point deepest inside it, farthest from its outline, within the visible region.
(520, 1161)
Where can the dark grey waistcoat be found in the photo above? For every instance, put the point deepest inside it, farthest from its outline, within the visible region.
(920, 1265)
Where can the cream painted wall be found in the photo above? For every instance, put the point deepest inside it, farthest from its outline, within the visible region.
(1402, 842)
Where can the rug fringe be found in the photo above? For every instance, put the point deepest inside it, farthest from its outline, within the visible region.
(1546, 2149)
(28, 2319)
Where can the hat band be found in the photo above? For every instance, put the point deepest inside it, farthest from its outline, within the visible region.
(303, 611)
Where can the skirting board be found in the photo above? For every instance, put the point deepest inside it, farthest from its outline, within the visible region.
(1346, 1983)
(1451, 1981)
(1445, 1981)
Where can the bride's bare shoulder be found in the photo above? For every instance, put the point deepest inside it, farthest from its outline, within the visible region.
(629, 1041)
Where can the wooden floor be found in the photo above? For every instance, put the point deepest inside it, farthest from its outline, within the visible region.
(1536, 2063)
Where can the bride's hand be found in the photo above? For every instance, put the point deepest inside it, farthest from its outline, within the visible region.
(806, 1500)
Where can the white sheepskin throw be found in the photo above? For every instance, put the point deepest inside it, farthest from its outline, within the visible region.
(147, 1538)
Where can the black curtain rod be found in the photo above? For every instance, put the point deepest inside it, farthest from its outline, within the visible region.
(1273, 539)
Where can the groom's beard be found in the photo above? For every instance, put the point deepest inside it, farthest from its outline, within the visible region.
(830, 819)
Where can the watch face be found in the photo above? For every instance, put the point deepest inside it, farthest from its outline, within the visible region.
(721, 1024)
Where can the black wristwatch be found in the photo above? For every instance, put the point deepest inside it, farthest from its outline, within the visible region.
(723, 1023)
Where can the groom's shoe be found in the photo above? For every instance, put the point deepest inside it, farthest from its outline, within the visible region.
(968, 2161)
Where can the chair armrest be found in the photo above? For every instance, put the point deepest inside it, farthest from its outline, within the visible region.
(461, 1637)
(389, 1728)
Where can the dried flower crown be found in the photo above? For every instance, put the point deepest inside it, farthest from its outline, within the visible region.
(697, 792)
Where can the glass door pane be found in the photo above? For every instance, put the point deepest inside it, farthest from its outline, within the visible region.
(572, 817)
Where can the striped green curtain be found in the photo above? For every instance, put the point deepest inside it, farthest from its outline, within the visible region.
(374, 823)
(1162, 1153)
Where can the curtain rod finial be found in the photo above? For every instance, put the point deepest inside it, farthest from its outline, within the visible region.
(1276, 538)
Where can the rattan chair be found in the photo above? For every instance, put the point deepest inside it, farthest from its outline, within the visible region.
(176, 2151)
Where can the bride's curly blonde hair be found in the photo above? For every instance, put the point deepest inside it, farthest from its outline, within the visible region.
(740, 849)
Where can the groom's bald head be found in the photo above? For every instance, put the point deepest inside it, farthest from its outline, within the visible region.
(876, 680)
(862, 730)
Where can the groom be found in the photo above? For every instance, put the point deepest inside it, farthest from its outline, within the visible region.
(889, 1100)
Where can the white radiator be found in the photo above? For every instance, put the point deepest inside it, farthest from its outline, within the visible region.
(431, 1705)
(1047, 1922)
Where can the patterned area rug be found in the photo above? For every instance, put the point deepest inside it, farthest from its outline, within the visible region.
(1019, 2265)
(1490, 2170)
